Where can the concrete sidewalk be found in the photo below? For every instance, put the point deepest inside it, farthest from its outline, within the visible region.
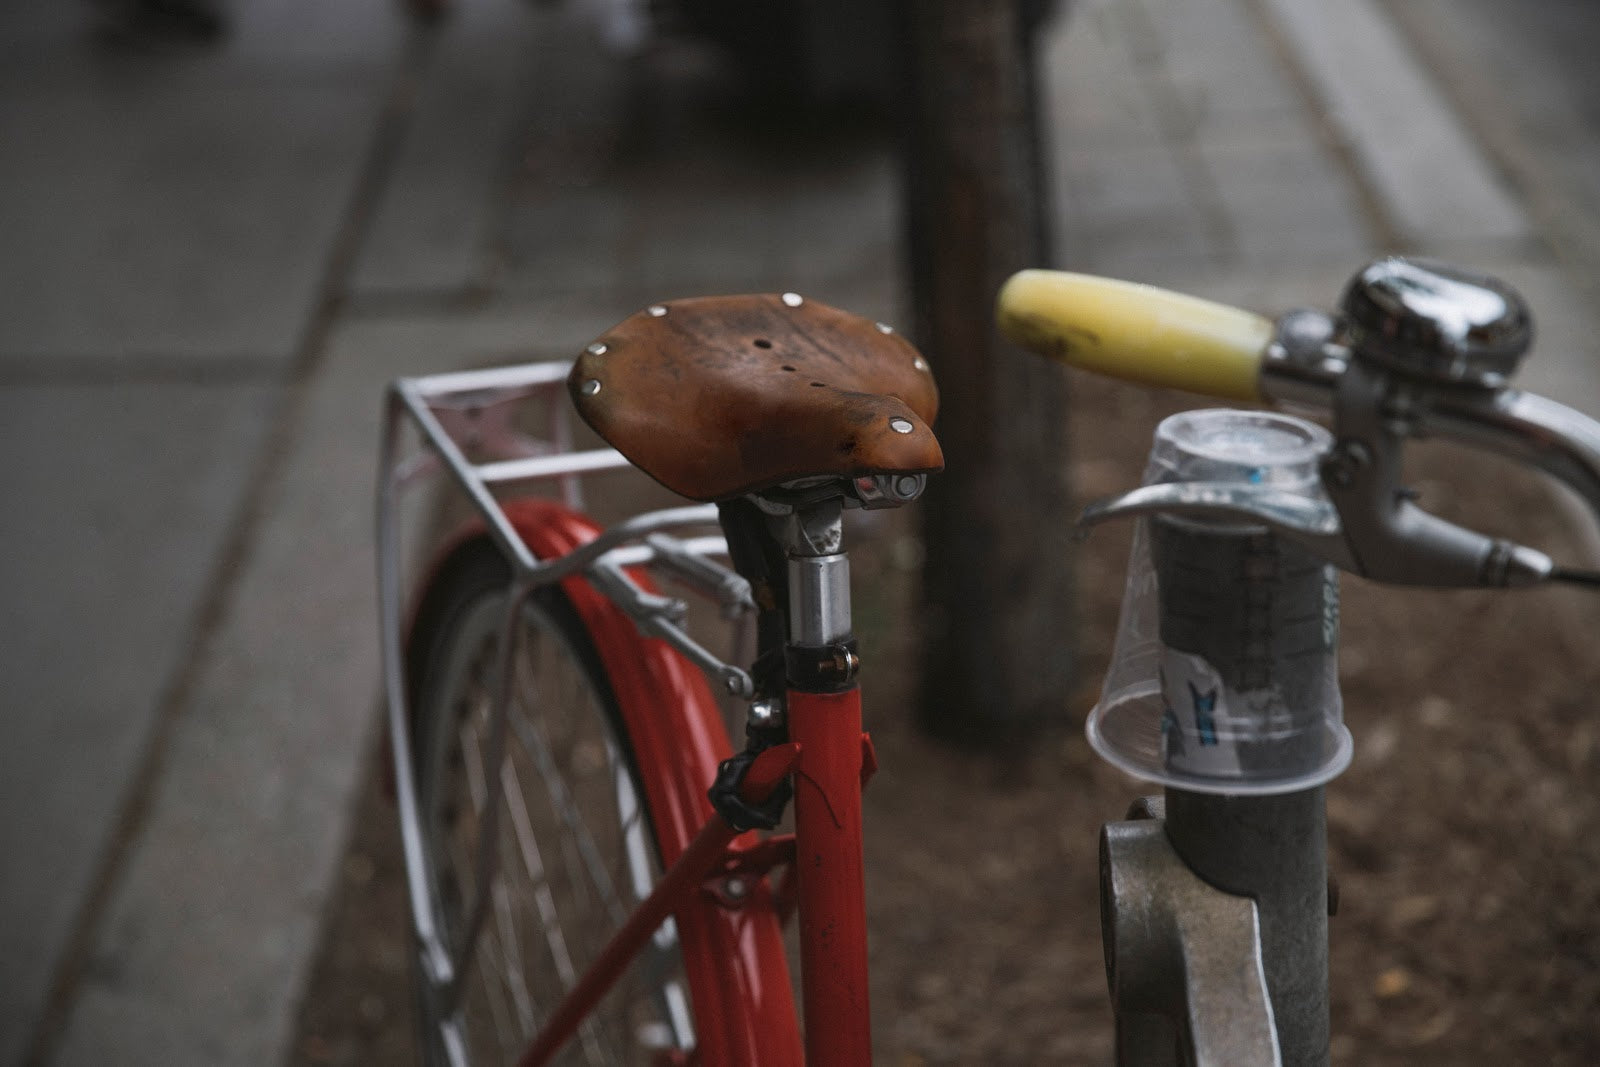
(217, 258)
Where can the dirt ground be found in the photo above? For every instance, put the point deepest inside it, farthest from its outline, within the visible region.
(1462, 837)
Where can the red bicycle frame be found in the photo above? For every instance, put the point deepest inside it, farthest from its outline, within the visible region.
(833, 761)
(731, 940)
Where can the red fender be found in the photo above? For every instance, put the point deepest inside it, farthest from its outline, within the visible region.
(734, 957)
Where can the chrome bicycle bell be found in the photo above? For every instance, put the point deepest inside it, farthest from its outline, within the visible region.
(1435, 322)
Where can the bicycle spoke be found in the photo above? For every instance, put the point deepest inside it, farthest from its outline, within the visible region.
(533, 741)
(514, 967)
(506, 1036)
(533, 863)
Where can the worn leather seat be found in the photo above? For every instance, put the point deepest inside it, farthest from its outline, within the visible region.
(715, 397)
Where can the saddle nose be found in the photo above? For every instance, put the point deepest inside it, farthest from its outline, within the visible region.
(715, 397)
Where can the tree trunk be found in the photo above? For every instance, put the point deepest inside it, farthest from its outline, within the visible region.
(997, 522)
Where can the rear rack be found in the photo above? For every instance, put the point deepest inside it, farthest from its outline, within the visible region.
(472, 411)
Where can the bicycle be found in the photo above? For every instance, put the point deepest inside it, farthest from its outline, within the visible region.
(698, 886)
(1215, 896)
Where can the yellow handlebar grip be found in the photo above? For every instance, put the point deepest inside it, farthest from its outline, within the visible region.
(1137, 332)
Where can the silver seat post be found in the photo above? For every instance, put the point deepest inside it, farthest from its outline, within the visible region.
(818, 575)
(819, 599)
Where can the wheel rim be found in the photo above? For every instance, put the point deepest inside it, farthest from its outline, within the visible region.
(574, 849)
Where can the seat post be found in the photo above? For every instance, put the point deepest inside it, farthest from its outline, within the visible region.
(824, 715)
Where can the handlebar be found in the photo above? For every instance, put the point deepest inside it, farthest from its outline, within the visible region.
(1418, 350)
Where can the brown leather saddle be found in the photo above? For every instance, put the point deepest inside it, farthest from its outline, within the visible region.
(719, 396)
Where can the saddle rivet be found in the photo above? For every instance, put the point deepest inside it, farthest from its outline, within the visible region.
(656, 310)
(884, 327)
(590, 387)
(920, 363)
(897, 424)
(793, 300)
(596, 349)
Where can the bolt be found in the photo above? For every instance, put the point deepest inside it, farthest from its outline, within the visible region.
(656, 310)
(920, 363)
(793, 300)
(907, 486)
(1148, 808)
(899, 425)
(596, 349)
(736, 888)
(1304, 334)
(845, 664)
(765, 714)
(884, 327)
(1344, 462)
(590, 387)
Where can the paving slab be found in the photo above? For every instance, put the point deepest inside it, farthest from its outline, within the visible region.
(1408, 138)
(118, 500)
(1091, 85)
(709, 200)
(1217, 164)
(1287, 199)
(181, 201)
(1525, 77)
(433, 228)
(1219, 63)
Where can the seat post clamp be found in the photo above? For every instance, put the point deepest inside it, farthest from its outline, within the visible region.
(830, 668)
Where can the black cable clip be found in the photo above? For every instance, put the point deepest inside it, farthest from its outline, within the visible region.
(725, 790)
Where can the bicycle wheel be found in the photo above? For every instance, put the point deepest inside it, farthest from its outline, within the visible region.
(574, 845)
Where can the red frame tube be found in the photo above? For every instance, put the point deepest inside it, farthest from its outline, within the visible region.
(831, 886)
(733, 957)
(672, 894)
(706, 854)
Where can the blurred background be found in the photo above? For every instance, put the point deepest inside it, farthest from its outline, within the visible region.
(226, 225)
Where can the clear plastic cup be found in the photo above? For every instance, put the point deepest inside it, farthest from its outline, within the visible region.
(1224, 675)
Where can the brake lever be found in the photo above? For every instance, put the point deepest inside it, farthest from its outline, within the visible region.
(1408, 546)
(1304, 520)
(1390, 538)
